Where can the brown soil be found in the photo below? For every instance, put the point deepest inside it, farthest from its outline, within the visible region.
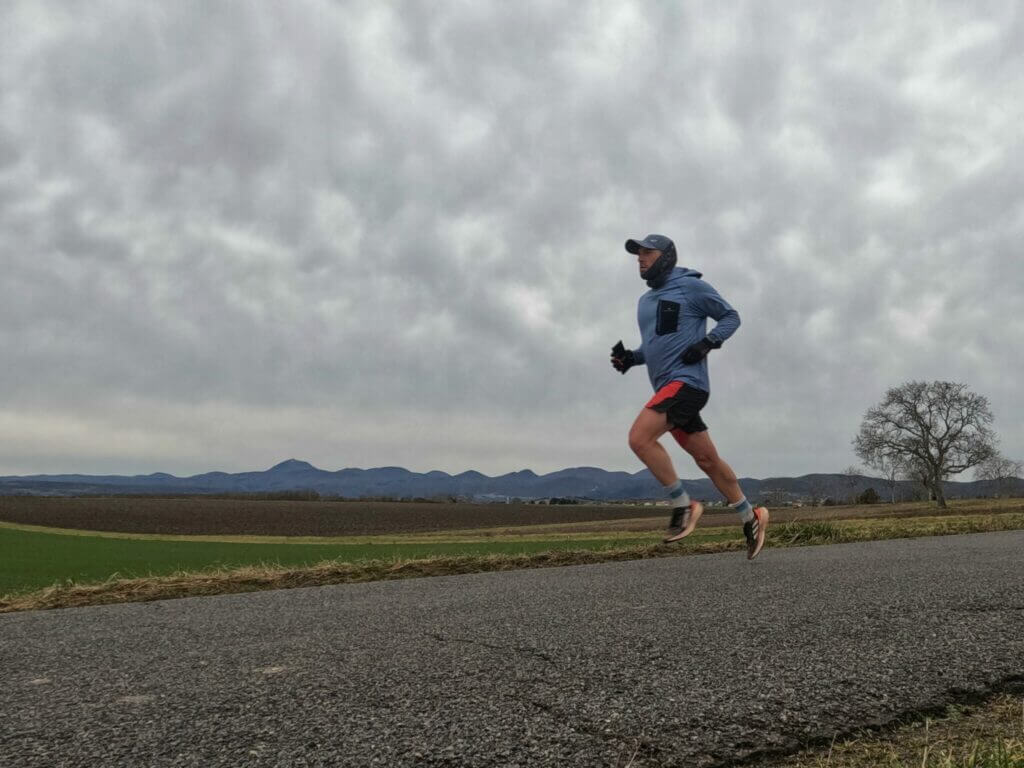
(201, 515)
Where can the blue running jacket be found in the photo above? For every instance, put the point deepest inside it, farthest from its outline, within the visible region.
(673, 317)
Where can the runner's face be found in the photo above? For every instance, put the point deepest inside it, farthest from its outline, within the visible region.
(645, 257)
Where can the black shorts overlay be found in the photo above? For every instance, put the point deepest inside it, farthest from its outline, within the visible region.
(681, 404)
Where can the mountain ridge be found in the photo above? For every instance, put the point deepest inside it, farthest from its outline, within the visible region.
(591, 483)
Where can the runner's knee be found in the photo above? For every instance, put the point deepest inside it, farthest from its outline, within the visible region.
(704, 455)
(639, 440)
(705, 461)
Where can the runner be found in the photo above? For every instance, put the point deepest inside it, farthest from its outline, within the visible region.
(674, 347)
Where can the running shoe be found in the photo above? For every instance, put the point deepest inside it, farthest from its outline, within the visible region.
(684, 520)
(754, 531)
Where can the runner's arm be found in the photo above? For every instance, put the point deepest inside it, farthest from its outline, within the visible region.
(727, 319)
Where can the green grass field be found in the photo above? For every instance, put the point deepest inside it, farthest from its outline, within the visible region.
(33, 559)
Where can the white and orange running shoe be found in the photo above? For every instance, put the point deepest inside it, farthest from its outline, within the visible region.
(754, 531)
(684, 520)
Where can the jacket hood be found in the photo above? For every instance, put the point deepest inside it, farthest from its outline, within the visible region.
(681, 273)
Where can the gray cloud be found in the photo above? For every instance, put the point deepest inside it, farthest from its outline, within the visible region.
(363, 234)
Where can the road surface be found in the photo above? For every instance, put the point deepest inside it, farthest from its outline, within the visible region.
(691, 661)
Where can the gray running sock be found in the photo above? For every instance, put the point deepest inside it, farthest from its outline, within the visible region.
(677, 495)
(744, 509)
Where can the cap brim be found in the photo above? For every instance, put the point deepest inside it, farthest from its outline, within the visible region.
(633, 246)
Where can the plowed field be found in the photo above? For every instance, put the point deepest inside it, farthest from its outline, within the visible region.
(198, 515)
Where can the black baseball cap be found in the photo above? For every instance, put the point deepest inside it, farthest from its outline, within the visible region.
(654, 242)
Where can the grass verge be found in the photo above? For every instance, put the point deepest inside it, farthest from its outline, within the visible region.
(254, 577)
(31, 559)
(988, 734)
(261, 577)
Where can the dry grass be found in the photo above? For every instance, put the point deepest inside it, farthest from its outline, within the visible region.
(817, 532)
(986, 735)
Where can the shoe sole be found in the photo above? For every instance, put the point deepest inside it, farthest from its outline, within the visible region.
(696, 510)
(762, 526)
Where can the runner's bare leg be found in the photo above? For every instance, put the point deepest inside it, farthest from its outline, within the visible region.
(643, 439)
(703, 451)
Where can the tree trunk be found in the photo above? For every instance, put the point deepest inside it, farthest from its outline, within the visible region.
(940, 497)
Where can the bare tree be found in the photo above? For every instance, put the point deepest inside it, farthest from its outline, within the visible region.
(852, 473)
(917, 472)
(1001, 470)
(941, 428)
(890, 469)
(818, 489)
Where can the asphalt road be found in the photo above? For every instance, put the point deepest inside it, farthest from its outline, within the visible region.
(693, 661)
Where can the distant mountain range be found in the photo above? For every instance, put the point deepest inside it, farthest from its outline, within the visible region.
(396, 482)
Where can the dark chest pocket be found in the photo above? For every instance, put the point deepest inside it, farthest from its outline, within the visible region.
(668, 317)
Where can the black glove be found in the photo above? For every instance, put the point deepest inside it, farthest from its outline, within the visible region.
(697, 352)
(622, 358)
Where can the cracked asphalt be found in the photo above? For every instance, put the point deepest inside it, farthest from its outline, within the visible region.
(691, 661)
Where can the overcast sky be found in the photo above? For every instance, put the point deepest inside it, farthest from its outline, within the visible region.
(367, 233)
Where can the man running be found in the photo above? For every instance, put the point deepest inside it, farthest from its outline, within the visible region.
(674, 346)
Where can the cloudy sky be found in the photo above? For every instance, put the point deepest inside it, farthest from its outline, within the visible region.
(366, 233)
